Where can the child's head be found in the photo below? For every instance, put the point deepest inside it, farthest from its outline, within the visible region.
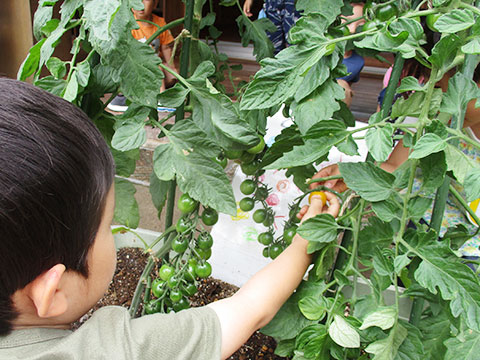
(55, 181)
(146, 13)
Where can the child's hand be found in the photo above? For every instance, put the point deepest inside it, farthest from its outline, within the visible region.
(317, 206)
(334, 184)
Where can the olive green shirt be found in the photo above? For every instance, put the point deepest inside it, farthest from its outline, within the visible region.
(111, 334)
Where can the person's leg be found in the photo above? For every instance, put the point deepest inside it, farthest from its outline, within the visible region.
(290, 17)
(273, 12)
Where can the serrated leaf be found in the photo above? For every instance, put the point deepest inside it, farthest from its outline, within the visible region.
(467, 344)
(414, 104)
(440, 269)
(428, 144)
(98, 17)
(331, 9)
(472, 184)
(417, 207)
(56, 67)
(255, 31)
(387, 210)
(458, 162)
(126, 207)
(380, 142)
(386, 349)
(342, 333)
(129, 136)
(444, 51)
(460, 91)
(321, 228)
(368, 180)
(383, 317)
(454, 21)
(435, 330)
(125, 162)
(173, 97)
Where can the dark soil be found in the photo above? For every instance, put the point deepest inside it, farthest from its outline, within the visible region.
(130, 264)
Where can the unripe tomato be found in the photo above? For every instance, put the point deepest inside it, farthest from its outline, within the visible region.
(186, 204)
(209, 216)
(204, 254)
(250, 168)
(180, 244)
(158, 288)
(173, 282)
(269, 219)
(152, 307)
(190, 289)
(257, 149)
(266, 252)
(166, 272)
(246, 204)
(247, 157)
(369, 25)
(321, 194)
(275, 250)
(203, 270)
(265, 238)
(261, 193)
(183, 225)
(205, 241)
(259, 215)
(233, 154)
(181, 304)
(248, 187)
(189, 274)
(289, 234)
(386, 12)
(175, 296)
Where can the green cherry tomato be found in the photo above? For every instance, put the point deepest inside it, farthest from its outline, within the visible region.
(246, 204)
(166, 272)
(203, 270)
(247, 157)
(386, 12)
(205, 241)
(152, 307)
(248, 187)
(265, 238)
(257, 149)
(181, 304)
(222, 161)
(190, 289)
(186, 204)
(259, 215)
(183, 225)
(266, 252)
(261, 193)
(233, 154)
(189, 274)
(158, 288)
(173, 282)
(369, 25)
(180, 244)
(289, 233)
(204, 254)
(431, 20)
(269, 219)
(275, 250)
(209, 216)
(175, 295)
(250, 168)
(345, 31)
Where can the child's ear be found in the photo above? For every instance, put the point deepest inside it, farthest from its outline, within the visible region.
(49, 301)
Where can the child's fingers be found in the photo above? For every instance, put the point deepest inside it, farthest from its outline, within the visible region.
(302, 212)
(334, 204)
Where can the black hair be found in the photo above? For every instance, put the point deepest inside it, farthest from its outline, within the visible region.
(55, 173)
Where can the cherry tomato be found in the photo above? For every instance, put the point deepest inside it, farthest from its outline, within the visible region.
(345, 31)
(369, 25)
(265, 238)
(209, 216)
(386, 12)
(204, 254)
(261, 193)
(175, 295)
(173, 282)
(269, 219)
(266, 252)
(259, 215)
(222, 161)
(189, 274)
(205, 241)
(181, 304)
(247, 157)
(257, 149)
(289, 234)
(186, 204)
(166, 272)
(158, 288)
(203, 270)
(250, 168)
(275, 250)
(321, 194)
(246, 204)
(248, 187)
(431, 20)
(180, 244)
(233, 154)
(152, 307)
(183, 225)
(190, 289)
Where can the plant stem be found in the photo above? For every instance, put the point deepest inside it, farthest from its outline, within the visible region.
(161, 29)
(392, 86)
(462, 201)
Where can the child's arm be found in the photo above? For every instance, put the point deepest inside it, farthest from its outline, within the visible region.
(257, 302)
(166, 55)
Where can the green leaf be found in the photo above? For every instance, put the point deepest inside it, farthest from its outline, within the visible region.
(387, 348)
(300, 175)
(382, 264)
(49, 83)
(456, 282)
(467, 344)
(458, 162)
(330, 9)
(313, 307)
(83, 73)
(413, 105)
(255, 31)
(99, 16)
(173, 97)
(342, 280)
(435, 330)
(129, 136)
(342, 333)
(368, 180)
(125, 162)
(412, 347)
(454, 21)
(433, 169)
(383, 317)
(380, 142)
(417, 207)
(387, 210)
(315, 77)
(321, 228)
(284, 142)
(312, 341)
(126, 207)
(400, 262)
(289, 321)
(472, 47)
(410, 83)
(71, 90)
(318, 106)
(472, 184)
(41, 17)
(460, 91)
(428, 144)
(207, 20)
(445, 51)
(158, 190)
(31, 63)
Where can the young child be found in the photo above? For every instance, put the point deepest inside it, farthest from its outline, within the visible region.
(57, 254)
